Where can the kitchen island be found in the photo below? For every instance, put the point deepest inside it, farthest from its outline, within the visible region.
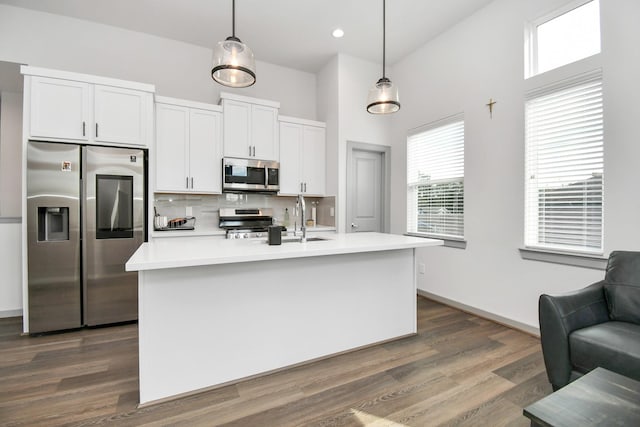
(214, 311)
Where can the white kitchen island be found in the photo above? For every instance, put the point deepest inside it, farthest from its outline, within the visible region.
(215, 311)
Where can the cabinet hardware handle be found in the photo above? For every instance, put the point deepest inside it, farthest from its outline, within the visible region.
(301, 187)
(305, 187)
(187, 182)
(96, 130)
(249, 151)
(354, 225)
(192, 183)
(254, 150)
(84, 128)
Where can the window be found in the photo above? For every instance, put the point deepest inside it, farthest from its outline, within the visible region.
(568, 35)
(435, 179)
(564, 166)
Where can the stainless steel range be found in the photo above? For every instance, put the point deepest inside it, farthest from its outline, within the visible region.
(245, 223)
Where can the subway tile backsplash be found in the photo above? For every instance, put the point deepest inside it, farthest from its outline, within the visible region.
(206, 207)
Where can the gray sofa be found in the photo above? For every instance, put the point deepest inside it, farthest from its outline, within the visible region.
(595, 326)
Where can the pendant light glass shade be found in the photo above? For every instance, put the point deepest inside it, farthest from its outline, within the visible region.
(233, 61)
(383, 96)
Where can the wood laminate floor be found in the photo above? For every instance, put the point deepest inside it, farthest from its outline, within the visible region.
(460, 370)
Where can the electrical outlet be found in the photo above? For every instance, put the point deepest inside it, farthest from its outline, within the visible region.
(189, 211)
(421, 268)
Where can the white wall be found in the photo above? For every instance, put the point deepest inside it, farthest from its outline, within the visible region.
(10, 203)
(177, 69)
(11, 268)
(355, 77)
(10, 153)
(482, 58)
(343, 85)
(329, 112)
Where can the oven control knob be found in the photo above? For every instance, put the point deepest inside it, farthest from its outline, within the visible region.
(258, 234)
(245, 236)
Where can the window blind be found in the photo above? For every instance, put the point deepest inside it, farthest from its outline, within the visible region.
(564, 166)
(435, 179)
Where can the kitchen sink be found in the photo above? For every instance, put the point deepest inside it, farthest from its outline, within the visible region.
(297, 239)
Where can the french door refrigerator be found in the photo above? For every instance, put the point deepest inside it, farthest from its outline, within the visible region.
(86, 215)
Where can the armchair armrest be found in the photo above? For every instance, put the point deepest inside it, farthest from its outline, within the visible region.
(559, 316)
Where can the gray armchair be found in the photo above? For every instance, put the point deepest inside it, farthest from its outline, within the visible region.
(595, 326)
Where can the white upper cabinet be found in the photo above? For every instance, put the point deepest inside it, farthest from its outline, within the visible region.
(237, 129)
(250, 127)
(302, 157)
(74, 107)
(120, 115)
(264, 132)
(313, 160)
(188, 154)
(172, 148)
(59, 109)
(205, 160)
(290, 148)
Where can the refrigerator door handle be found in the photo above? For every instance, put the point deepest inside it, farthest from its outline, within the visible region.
(83, 233)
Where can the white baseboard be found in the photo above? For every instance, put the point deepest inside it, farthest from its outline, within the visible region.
(484, 314)
(10, 313)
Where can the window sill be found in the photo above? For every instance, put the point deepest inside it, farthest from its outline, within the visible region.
(567, 258)
(448, 242)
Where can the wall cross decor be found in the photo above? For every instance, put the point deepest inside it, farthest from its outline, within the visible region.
(490, 105)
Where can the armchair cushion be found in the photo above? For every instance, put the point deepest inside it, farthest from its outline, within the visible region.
(622, 288)
(623, 302)
(623, 267)
(611, 345)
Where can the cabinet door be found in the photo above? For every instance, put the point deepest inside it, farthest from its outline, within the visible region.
(120, 115)
(236, 128)
(59, 109)
(172, 145)
(313, 169)
(264, 132)
(205, 151)
(290, 149)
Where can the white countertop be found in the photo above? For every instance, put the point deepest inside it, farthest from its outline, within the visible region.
(190, 251)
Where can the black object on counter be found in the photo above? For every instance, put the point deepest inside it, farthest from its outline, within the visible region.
(274, 235)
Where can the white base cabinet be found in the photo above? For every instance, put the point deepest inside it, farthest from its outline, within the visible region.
(250, 127)
(74, 107)
(188, 155)
(302, 157)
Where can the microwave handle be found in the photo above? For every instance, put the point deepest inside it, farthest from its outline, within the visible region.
(266, 177)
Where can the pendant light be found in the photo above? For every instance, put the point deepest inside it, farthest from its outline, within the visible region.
(233, 62)
(383, 96)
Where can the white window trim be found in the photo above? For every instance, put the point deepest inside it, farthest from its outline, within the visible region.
(449, 241)
(531, 38)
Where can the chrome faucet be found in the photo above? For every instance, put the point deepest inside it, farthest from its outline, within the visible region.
(303, 227)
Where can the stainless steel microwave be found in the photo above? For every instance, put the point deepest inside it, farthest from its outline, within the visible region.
(239, 175)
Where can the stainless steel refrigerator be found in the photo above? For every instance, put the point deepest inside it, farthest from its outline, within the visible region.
(86, 215)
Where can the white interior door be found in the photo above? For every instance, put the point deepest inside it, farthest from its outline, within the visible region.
(365, 192)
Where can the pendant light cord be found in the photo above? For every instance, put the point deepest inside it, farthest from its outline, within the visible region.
(233, 18)
(384, 36)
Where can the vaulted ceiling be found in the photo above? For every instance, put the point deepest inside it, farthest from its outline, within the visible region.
(291, 33)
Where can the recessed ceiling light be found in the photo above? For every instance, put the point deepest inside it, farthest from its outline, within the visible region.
(337, 33)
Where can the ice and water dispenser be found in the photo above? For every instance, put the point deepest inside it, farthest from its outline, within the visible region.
(53, 224)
